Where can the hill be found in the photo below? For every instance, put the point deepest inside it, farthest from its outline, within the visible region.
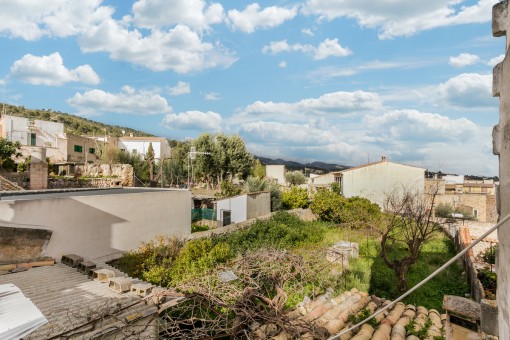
(73, 124)
(314, 167)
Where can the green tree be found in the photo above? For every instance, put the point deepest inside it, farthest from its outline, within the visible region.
(444, 210)
(9, 151)
(295, 198)
(295, 178)
(259, 170)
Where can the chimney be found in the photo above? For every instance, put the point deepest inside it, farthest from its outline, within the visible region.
(383, 159)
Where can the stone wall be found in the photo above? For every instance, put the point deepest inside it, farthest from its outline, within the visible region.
(19, 245)
(20, 178)
(123, 172)
(64, 183)
(501, 147)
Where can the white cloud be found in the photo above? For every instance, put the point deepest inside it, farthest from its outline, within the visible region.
(467, 90)
(162, 13)
(308, 32)
(253, 18)
(50, 70)
(129, 100)
(31, 20)
(330, 48)
(212, 96)
(464, 59)
(327, 48)
(180, 88)
(178, 49)
(282, 64)
(193, 120)
(402, 17)
(416, 126)
(496, 60)
(331, 104)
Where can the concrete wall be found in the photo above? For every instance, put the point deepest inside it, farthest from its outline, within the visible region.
(95, 225)
(501, 145)
(259, 204)
(325, 179)
(276, 172)
(377, 180)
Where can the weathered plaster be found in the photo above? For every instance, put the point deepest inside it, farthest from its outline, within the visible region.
(501, 145)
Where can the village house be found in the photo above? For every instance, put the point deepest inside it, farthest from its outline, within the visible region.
(374, 181)
(277, 173)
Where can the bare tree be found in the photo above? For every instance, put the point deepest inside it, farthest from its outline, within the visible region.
(409, 225)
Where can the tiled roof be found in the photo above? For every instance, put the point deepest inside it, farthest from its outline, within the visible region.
(71, 302)
(328, 316)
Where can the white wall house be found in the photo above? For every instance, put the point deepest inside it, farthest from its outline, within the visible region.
(276, 172)
(140, 145)
(376, 180)
(32, 133)
(243, 207)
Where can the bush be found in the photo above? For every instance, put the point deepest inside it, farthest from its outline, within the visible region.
(282, 231)
(489, 281)
(489, 255)
(444, 210)
(332, 207)
(326, 205)
(197, 257)
(295, 198)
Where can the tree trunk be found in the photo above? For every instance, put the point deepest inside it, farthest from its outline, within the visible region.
(401, 272)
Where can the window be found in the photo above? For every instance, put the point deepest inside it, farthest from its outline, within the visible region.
(92, 150)
(78, 148)
(33, 139)
(475, 213)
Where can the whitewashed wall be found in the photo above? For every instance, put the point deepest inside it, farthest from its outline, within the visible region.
(374, 182)
(98, 225)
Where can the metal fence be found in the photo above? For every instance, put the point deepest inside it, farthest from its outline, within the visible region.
(203, 214)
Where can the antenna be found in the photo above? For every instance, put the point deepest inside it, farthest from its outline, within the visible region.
(3, 103)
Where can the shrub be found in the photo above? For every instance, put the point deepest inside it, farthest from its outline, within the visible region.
(332, 207)
(295, 198)
(282, 231)
(197, 257)
(326, 205)
(444, 210)
(489, 255)
(489, 281)
(152, 260)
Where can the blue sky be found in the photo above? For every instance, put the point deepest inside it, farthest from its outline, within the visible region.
(338, 81)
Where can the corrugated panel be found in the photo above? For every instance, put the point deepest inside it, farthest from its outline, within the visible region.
(18, 315)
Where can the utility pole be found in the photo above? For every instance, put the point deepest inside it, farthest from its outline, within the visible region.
(192, 155)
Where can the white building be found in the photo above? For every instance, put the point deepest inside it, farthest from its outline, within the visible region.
(140, 145)
(243, 207)
(276, 172)
(375, 181)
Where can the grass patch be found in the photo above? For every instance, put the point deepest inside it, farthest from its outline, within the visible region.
(371, 272)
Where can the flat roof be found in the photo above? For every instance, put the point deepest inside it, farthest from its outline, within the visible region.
(59, 193)
(69, 299)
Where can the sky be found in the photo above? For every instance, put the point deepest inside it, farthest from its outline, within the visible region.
(340, 81)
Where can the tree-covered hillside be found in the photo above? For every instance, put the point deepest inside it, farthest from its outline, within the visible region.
(72, 124)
